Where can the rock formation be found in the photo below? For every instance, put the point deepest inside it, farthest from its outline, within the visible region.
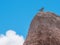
(44, 30)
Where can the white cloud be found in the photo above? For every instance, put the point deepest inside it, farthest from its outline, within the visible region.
(11, 38)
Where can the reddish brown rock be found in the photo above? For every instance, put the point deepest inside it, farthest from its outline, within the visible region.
(44, 30)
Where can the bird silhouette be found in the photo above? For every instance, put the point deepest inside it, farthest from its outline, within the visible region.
(42, 9)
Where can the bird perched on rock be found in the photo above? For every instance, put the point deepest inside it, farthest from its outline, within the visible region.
(41, 9)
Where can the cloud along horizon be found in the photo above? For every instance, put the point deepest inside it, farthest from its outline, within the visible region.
(11, 38)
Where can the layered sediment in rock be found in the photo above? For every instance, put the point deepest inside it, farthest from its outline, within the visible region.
(44, 30)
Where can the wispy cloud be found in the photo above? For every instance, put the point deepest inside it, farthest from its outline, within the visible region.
(11, 38)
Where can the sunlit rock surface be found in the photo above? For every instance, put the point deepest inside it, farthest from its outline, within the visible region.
(44, 30)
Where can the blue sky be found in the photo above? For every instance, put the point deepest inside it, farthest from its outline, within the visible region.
(17, 14)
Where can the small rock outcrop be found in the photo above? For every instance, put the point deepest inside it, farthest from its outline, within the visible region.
(44, 30)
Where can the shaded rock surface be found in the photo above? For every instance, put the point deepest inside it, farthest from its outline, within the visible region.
(44, 30)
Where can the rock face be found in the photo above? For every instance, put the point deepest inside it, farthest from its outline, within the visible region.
(44, 30)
